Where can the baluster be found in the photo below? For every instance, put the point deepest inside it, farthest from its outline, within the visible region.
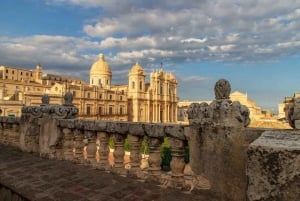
(119, 153)
(91, 147)
(135, 152)
(177, 162)
(103, 150)
(78, 141)
(154, 158)
(67, 144)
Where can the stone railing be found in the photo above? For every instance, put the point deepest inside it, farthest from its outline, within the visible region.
(54, 132)
(224, 155)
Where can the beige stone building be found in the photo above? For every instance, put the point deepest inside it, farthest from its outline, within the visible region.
(138, 100)
(256, 112)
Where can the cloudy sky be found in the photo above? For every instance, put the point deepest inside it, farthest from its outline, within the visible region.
(254, 44)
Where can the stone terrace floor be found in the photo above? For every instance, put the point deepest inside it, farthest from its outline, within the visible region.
(40, 179)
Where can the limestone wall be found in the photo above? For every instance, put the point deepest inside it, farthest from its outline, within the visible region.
(273, 167)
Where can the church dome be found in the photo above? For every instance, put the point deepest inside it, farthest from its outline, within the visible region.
(100, 66)
(136, 68)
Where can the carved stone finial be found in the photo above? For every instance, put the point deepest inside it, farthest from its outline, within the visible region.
(68, 99)
(45, 100)
(294, 113)
(222, 89)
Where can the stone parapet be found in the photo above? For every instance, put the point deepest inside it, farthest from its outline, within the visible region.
(217, 144)
(273, 167)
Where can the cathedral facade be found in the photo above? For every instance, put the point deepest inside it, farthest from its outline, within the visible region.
(138, 100)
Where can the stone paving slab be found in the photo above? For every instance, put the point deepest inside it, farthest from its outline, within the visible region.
(40, 179)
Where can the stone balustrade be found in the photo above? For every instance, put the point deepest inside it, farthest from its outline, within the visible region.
(73, 137)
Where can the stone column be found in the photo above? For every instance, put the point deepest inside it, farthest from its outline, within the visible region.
(103, 150)
(154, 158)
(67, 144)
(91, 147)
(78, 144)
(135, 152)
(177, 162)
(119, 152)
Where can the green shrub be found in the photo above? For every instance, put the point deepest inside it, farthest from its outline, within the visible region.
(165, 154)
(145, 147)
(187, 155)
(127, 145)
(111, 143)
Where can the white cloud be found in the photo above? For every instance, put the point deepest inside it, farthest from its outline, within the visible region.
(194, 78)
(194, 40)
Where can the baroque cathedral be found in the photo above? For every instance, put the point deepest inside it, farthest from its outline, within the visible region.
(137, 101)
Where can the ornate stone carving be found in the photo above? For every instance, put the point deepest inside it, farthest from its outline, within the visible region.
(45, 100)
(68, 99)
(56, 111)
(221, 111)
(222, 89)
(293, 113)
(66, 111)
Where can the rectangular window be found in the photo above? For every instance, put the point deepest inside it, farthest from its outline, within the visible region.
(110, 110)
(100, 110)
(121, 110)
(88, 110)
(110, 97)
(74, 94)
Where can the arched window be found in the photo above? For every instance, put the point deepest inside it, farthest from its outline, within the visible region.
(141, 85)
(133, 85)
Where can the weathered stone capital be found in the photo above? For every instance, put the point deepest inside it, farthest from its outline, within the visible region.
(55, 111)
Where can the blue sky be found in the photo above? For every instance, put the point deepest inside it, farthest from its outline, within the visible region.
(254, 44)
